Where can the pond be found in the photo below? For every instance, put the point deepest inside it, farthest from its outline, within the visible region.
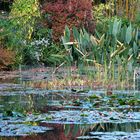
(30, 112)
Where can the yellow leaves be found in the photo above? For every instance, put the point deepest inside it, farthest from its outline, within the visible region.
(101, 41)
(129, 58)
(23, 15)
(119, 50)
(30, 33)
(96, 41)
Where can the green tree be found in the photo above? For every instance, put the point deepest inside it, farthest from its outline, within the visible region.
(23, 16)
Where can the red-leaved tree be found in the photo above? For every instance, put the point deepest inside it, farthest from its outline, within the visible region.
(68, 12)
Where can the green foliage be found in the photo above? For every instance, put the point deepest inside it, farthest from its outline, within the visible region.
(29, 55)
(18, 27)
(81, 45)
(23, 15)
(40, 51)
(128, 36)
(118, 46)
(42, 32)
(52, 55)
(103, 14)
(137, 19)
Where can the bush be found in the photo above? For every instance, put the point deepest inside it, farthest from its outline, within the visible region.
(137, 20)
(60, 13)
(41, 52)
(18, 27)
(6, 58)
(23, 15)
(118, 46)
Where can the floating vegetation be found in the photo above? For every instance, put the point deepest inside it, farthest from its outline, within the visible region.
(21, 130)
(116, 135)
(25, 111)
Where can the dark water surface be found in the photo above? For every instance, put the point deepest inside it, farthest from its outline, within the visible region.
(41, 114)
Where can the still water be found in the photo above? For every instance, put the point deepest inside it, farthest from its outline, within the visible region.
(28, 113)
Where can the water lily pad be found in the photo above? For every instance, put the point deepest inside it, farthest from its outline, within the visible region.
(19, 104)
(21, 130)
(116, 135)
(87, 138)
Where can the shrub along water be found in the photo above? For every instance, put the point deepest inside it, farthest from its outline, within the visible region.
(6, 58)
(18, 26)
(116, 52)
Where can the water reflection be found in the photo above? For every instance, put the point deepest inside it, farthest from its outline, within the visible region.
(26, 100)
(71, 131)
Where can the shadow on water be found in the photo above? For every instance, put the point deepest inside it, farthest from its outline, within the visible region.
(38, 114)
(98, 131)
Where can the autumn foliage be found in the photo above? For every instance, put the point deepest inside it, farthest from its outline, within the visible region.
(67, 12)
(6, 58)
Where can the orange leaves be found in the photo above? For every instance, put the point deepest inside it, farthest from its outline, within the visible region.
(6, 58)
